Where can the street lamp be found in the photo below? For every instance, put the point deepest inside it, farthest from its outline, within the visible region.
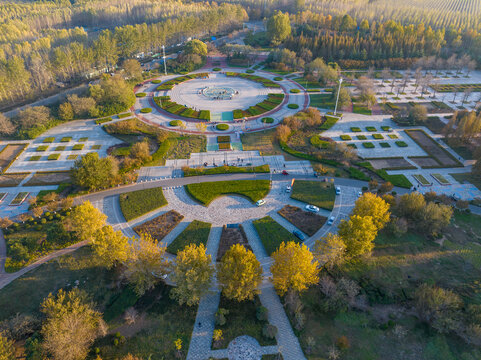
(163, 57)
(337, 100)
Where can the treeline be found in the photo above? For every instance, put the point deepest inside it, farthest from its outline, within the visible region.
(34, 66)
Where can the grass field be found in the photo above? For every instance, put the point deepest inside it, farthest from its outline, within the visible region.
(140, 202)
(316, 193)
(324, 101)
(226, 170)
(205, 193)
(197, 232)
(264, 141)
(272, 234)
(306, 83)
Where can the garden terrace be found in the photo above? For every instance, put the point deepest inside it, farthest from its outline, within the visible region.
(160, 226)
(305, 221)
(137, 203)
(272, 234)
(266, 82)
(172, 107)
(169, 84)
(206, 192)
(316, 193)
(273, 100)
(197, 232)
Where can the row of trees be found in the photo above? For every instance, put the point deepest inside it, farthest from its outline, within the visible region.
(34, 66)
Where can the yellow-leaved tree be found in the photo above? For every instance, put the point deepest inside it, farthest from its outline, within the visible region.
(294, 268)
(146, 264)
(85, 220)
(330, 250)
(372, 205)
(239, 274)
(111, 246)
(192, 274)
(358, 233)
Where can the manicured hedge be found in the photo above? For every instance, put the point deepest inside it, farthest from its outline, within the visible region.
(267, 120)
(137, 203)
(224, 146)
(53, 157)
(345, 137)
(259, 79)
(223, 139)
(397, 180)
(216, 69)
(361, 137)
(141, 94)
(401, 144)
(385, 128)
(385, 145)
(41, 148)
(371, 128)
(318, 142)
(225, 170)
(329, 122)
(78, 147)
(169, 84)
(278, 78)
(60, 148)
(368, 145)
(34, 158)
(66, 139)
(356, 129)
(146, 110)
(295, 91)
(250, 71)
(49, 140)
(175, 123)
(222, 127)
(377, 136)
(293, 106)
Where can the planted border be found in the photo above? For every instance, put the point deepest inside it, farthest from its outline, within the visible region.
(137, 203)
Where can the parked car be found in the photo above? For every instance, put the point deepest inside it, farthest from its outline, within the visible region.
(284, 172)
(288, 189)
(359, 194)
(330, 221)
(299, 235)
(312, 208)
(260, 202)
(338, 190)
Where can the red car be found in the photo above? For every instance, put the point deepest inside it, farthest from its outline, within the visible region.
(284, 172)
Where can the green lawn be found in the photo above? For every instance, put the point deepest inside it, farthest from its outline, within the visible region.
(197, 232)
(361, 109)
(272, 234)
(324, 101)
(316, 193)
(264, 141)
(137, 203)
(205, 193)
(306, 83)
(242, 320)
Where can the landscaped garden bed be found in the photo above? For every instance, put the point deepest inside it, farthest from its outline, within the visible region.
(272, 234)
(41, 148)
(9, 154)
(397, 180)
(160, 226)
(421, 179)
(19, 198)
(197, 232)
(225, 170)
(368, 145)
(441, 179)
(345, 137)
(266, 82)
(169, 84)
(206, 192)
(305, 221)
(316, 193)
(273, 100)
(231, 234)
(172, 107)
(390, 163)
(430, 146)
(137, 203)
(53, 157)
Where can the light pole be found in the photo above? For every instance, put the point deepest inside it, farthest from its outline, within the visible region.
(337, 100)
(163, 57)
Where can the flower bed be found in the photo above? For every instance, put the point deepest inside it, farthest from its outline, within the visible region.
(356, 129)
(41, 148)
(172, 107)
(385, 145)
(401, 144)
(441, 179)
(377, 136)
(421, 179)
(223, 139)
(53, 157)
(368, 145)
(224, 146)
(19, 198)
(78, 147)
(273, 100)
(146, 110)
(169, 84)
(345, 137)
(159, 227)
(371, 128)
(266, 82)
(222, 127)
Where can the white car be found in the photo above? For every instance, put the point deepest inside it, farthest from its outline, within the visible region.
(338, 190)
(312, 208)
(288, 189)
(359, 194)
(260, 202)
(330, 221)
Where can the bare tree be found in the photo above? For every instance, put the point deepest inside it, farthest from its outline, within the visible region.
(467, 93)
(385, 74)
(418, 76)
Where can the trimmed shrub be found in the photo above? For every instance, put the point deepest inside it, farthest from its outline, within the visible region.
(156, 81)
(250, 71)
(269, 331)
(293, 106)
(356, 129)
(175, 123)
(204, 115)
(377, 136)
(224, 146)
(361, 137)
(83, 139)
(41, 148)
(261, 313)
(146, 110)
(216, 69)
(345, 137)
(140, 94)
(385, 145)
(60, 148)
(316, 141)
(223, 139)
(385, 128)
(354, 146)
(66, 139)
(267, 120)
(78, 147)
(371, 128)
(368, 145)
(49, 140)
(53, 157)
(222, 127)
(295, 91)
(34, 158)
(123, 116)
(401, 144)
(278, 78)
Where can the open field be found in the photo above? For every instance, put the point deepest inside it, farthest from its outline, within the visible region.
(49, 178)
(264, 141)
(432, 148)
(205, 193)
(8, 180)
(390, 163)
(137, 203)
(9, 153)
